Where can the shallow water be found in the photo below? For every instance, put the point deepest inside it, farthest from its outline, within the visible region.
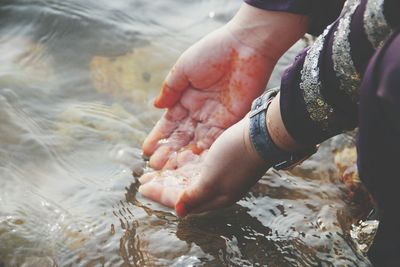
(77, 79)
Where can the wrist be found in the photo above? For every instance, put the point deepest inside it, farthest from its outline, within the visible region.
(261, 138)
(277, 130)
(269, 32)
(248, 144)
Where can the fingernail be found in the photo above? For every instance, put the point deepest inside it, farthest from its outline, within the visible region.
(156, 102)
(181, 210)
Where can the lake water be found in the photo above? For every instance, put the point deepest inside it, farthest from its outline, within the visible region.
(77, 81)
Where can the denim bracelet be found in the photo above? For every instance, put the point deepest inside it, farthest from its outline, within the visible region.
(259, 134)
(262, 141)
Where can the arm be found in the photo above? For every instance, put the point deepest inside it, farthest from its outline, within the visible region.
(378, 144)
(318, 99)
(271, 33)
(320, 13)
(319, 92)
(213, 83)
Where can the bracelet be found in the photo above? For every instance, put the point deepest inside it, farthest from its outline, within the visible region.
(261, 138)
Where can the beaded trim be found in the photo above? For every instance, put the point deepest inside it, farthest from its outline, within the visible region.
(375, 24)
(320, 111)
(346, 72)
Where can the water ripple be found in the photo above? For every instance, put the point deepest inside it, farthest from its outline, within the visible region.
(70, 142)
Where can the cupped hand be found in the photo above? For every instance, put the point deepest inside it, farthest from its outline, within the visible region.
(216, 178)
(210, 88)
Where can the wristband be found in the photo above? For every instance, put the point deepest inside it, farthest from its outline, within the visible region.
(262, 141)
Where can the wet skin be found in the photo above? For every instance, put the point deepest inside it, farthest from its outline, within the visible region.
(200, 149)
(203, 99)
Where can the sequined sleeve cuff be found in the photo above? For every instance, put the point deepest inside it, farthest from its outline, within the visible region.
(319, 92)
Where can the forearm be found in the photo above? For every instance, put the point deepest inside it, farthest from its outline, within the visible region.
(269, 32)
(320, 12)
(319, 92)
(277, 130)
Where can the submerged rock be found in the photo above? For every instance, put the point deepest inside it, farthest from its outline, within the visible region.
(346, 162)
(25, 62)
(363, 234)
(134, 74)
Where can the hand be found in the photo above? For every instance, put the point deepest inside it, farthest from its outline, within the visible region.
(217, 178)
(214, 82)
(210, 88)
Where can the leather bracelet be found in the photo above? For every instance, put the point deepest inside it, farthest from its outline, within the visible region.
(261, 138)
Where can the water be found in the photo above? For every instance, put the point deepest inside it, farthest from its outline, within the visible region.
(77, 81)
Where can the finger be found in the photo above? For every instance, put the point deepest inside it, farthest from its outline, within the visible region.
(188, 155)
(160, 157)
(187, 162)
(175, 83)
(164, 187)
(172, 162)
(164, 127)
(190, 203)
(166, 195)
(180, 137)
(165, 157)
(161, 131)
(149, 176)
(191, 198)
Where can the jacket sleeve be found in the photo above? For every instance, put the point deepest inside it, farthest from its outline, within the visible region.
(321, 12)
(350, 77)
(319, 92)
(378, 145)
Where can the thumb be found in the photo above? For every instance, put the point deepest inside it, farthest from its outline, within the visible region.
(197, 201)
(174, 85)
(189, 199)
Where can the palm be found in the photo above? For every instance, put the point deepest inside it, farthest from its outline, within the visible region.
(210, 88)
(216, 178)
(167, 186)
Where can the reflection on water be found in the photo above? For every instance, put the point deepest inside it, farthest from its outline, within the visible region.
(77, 81)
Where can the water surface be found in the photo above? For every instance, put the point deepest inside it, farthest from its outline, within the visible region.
(77, 80)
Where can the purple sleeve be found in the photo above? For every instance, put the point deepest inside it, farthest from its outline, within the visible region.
(378, 145)
(321, 12)
(319, 92)
(350, 77)
(388, 89)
